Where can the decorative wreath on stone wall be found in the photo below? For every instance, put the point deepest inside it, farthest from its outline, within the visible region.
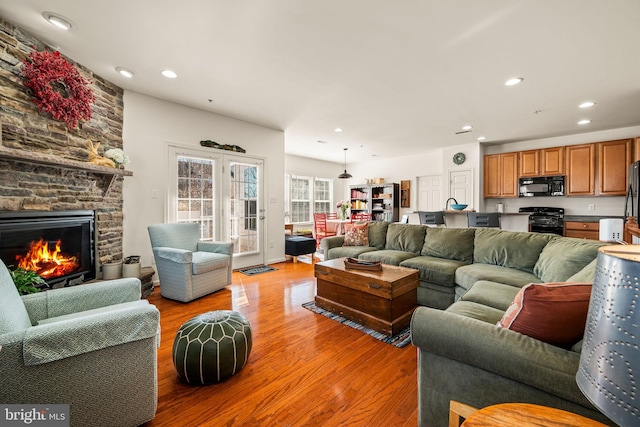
(58, 88)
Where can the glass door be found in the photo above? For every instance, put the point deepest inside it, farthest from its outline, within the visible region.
(222, 193)
(246, 212)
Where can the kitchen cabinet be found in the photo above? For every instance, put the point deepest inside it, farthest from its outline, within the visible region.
(636, 149)
(552, 161)
(582, 230)
(542, 162)
(614, 158)
(580, 168)
(501, 175)
(530, 163)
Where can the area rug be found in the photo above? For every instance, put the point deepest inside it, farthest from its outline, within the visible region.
(256, 269)
(399, 340)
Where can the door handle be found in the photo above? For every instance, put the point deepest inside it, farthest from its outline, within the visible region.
(262, 217)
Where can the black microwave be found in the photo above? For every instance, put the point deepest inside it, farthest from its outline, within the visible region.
(541, 186)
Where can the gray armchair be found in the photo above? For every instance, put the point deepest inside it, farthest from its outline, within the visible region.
(92, 346)
(187, 267)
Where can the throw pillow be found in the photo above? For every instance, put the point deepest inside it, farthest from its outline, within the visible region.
(555, 313)
(356, 235)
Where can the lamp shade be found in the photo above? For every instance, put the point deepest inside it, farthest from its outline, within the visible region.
(609, 372)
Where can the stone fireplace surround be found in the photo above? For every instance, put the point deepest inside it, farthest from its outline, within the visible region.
(43, 165)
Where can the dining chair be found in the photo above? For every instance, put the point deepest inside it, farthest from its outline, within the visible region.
(431, 218)
(360, 217)
(332, 215)
(320, 230)
(483, 219)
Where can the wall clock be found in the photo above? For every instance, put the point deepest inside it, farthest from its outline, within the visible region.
(459, 158)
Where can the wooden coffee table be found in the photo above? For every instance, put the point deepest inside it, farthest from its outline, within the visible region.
(381, 300)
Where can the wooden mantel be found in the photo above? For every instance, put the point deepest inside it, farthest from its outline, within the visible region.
(109, 174)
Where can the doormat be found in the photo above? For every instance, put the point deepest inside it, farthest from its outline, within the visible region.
(401, 339)
(256, 269)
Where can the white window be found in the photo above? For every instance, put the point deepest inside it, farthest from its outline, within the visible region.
(305, 195)
(322, 193)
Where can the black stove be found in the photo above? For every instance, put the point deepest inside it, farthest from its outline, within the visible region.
(545, 220)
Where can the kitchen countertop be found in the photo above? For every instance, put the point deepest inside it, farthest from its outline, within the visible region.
(589, 218)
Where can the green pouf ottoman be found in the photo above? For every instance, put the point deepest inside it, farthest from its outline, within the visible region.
(211, 347)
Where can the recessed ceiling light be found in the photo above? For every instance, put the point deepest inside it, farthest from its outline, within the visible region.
(584, 122)
(58, 20)
(467, 127)
(169, 74)
(587, 104)
(481, 138)
(514, 81)
(125, 72)
(338, 130)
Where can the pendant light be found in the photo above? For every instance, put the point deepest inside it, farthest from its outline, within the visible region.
(345, 174)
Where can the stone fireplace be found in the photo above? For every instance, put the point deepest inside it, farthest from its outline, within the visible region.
(43, 165)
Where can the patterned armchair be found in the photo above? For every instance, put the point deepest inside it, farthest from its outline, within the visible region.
(91, 346)
(187, 267)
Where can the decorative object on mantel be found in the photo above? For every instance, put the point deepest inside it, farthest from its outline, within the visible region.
(58, 88)
(118, 156)
(96, 158)
(212, 144)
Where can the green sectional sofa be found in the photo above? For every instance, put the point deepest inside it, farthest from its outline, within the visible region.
(468, 279)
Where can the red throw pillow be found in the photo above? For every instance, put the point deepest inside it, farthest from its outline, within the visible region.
(555, 313)
(356, 235)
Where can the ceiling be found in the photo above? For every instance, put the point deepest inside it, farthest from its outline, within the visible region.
(399, 77)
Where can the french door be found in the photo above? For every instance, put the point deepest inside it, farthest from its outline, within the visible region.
(224, 194)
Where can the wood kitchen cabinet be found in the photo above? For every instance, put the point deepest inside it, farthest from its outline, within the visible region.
(542, 162)
(501, 175)
(580, 168)
(614, 158)
(635, 150)
(582, 230)
(552, 161)
(530, 163)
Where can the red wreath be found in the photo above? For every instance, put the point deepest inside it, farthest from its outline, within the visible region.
(58, 88)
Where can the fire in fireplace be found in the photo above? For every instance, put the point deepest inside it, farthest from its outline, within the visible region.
(59, 246)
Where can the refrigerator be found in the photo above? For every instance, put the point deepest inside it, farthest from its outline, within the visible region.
(631, 202)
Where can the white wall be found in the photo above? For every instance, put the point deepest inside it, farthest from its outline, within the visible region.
(304, 166)
(149, 124)
(604, 206)
(434, 162)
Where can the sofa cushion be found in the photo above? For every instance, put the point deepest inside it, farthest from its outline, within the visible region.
(565, 256)
(377, 234)
(512, 249)
(435, 270)
(492, 294)
(467, 275)
(476, 311)
(587, 274)
(450, 243)
(405, 237)
(555, 313)
(356, 235)
(204, 262)
(387, 256)
(348, 251)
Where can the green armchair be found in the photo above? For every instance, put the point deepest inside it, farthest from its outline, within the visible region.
(189, 268)
(92, 346)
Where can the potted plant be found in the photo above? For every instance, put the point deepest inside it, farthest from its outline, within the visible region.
(27, 281)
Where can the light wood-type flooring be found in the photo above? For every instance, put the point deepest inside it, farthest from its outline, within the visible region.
(304, 369)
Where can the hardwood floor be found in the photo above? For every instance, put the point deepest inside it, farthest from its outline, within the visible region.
(304, 369)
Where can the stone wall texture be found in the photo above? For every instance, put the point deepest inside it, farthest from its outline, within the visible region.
(38, 187)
